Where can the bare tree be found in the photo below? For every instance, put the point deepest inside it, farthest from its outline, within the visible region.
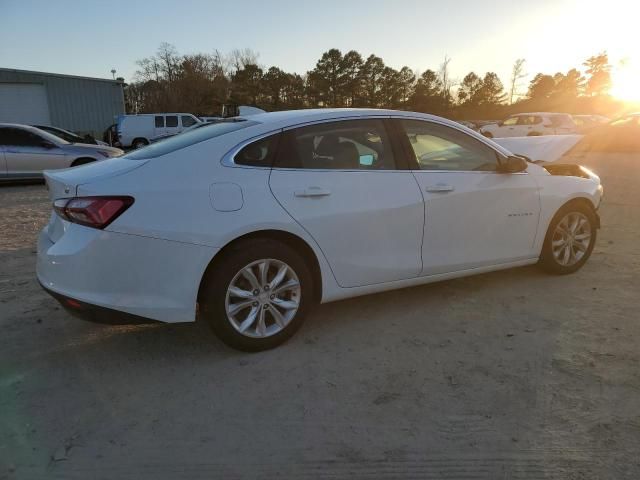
(240, 58)
(517, 74)
(445, 80)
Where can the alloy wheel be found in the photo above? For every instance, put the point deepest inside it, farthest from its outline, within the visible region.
(263, 298)
(571, 239)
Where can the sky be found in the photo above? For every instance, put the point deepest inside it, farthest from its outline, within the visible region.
(92, 37)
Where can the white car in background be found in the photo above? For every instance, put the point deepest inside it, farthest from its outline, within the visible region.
(530, 125)
(26, 151)
(585, 123)
(137, 131)
(248, 223)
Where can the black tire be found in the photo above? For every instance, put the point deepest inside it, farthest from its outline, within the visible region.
(548, 260)
(218, 278)
(82, 161)
(139, 143)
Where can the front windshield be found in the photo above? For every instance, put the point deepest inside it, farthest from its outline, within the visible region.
(190, 137)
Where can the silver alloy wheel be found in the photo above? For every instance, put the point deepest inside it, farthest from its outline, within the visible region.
(263, 298)
(571, 239)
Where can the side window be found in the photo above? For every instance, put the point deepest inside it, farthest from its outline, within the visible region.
(16, 137)
(159, 121)
(443, 148)
(172, 121)
(343, 145)
(259, 153)
(510, 122)
(536, 120)
(187, 121)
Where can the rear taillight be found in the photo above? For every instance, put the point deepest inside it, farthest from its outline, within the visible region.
(95, 212)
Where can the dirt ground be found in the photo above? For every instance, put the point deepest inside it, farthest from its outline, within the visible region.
(510, 375)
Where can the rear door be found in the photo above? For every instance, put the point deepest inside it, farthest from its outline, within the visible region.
(27, 154)
(159, 129)
(345, 185)
(171, 125)
(475, 216)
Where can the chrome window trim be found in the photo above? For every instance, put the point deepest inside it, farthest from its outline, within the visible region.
(480, 139)
(228, 159)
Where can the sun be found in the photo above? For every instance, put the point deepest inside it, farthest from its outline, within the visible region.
(626, 82)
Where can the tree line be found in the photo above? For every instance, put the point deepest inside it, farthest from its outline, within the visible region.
(201, 83)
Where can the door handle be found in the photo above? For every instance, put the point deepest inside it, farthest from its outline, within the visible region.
(440, 188)
(312, 192)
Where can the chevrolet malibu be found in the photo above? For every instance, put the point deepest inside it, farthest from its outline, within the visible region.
(247, 223)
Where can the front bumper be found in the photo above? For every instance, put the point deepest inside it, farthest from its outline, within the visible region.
(130, 274)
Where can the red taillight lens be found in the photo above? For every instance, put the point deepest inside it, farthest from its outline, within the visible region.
(95, 212)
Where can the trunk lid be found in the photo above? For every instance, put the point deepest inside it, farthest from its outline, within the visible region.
(64, 183)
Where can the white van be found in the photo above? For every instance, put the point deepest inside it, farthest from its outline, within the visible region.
(139, 130)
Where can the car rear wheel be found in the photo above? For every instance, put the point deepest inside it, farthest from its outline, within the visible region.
(139, 143)
(257, 296)
(570, 240)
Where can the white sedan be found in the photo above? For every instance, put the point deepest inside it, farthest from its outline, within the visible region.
(247, 223)
(531, 125)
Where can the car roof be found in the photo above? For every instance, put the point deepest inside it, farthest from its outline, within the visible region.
(295, 117)
(292, 118)
(19, 125)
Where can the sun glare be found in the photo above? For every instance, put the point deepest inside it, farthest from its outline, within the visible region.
(626, 82)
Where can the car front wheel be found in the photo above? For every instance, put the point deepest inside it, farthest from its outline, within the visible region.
(570, 240)
(256, 297)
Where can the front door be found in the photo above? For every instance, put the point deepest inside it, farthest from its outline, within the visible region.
(474, 215)
(27, 154)
(341, 182)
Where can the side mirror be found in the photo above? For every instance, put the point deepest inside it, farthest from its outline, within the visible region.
(512, 164)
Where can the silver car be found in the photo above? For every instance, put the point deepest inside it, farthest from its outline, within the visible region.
(26, 151)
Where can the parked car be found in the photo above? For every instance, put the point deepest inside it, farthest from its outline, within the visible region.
(586, 123)
(468, 124)
(531, 124)
(26, 151)
(137, 130)
(620, 135)
(249, 223)
(70, 136)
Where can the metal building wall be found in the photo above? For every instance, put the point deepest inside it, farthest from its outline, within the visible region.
(79, 104)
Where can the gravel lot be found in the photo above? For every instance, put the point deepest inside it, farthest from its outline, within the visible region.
(509, 375)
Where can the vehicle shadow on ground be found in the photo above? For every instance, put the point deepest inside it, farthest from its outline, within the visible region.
(346, 318)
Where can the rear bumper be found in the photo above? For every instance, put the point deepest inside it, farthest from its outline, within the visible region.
(95, 313)
(106, 272)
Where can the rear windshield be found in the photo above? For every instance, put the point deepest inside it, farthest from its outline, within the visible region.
(187, 138)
